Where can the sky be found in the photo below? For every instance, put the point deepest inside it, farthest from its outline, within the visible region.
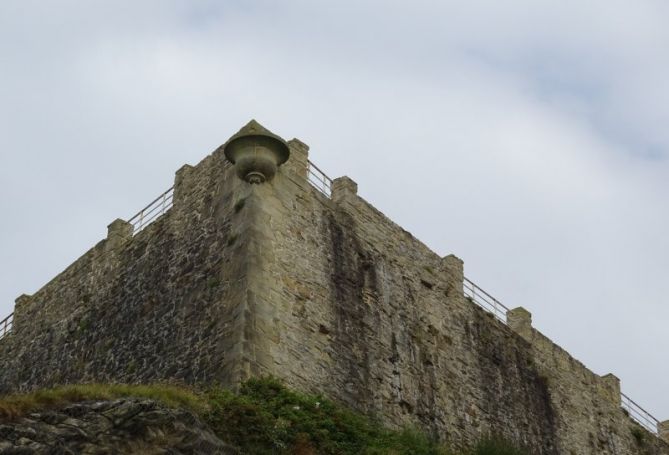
(527, 137)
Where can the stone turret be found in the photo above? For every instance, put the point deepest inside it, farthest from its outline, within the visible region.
(256, 152)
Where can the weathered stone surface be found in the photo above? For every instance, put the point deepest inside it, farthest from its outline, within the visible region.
(125, 426)
(166, 303)
(327, 293)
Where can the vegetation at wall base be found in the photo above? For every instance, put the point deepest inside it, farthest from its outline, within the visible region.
(18, 405)
(264, 417)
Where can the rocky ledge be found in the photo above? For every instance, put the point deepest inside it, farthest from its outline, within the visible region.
(122, 426)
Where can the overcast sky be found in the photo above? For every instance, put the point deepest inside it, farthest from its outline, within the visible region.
(530, 138)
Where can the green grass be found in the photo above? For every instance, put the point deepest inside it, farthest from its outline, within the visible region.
(12, 406)
(264, 417)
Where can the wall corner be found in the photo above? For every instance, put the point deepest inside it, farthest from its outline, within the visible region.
(520, 321)
(610, 387)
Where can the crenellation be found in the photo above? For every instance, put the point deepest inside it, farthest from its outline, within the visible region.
(299, 158)
(118, 232)
(455, 267)
(520, 321)
(610, 388)
(23, 299)
(181, 177)
(343, 188)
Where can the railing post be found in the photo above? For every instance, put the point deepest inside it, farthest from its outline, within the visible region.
(663, 431)
(520, 321)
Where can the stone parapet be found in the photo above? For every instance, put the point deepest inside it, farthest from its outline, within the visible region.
(520, 321)
(455, 266)
(181, 183)
(23, 299)
(610, 387)
(118, 232)
(343, 189)
(299, 157)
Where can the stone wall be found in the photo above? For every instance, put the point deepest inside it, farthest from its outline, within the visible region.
(352, 304)
(327, 293)
(163, 304)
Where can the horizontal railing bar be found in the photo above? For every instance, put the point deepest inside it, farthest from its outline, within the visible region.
(491, 304)
(157, 206)
(150, 204)
(318, 179)
(636, 412)
(639, 407)
(6, 325)
(478, 288)
(319, 170)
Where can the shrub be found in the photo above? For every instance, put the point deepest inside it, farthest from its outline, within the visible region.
(267, 418)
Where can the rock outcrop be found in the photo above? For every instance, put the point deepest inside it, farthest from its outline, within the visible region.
(122, 426)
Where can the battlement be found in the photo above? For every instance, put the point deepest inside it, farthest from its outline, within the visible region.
(256, 262)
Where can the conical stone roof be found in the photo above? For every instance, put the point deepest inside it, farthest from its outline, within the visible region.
(254, 129)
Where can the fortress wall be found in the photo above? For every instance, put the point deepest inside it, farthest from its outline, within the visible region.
(240, 280)
(353, 305)
(167, 303)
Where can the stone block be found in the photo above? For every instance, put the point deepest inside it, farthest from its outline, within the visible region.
(118, 231)
(181, 179)
(299, 157)
(520, 321)
(343, 188)
(610, 386)
(23, 299)
(455, 266)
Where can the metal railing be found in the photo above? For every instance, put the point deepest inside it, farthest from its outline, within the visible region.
(636, 412)
(494, 306)
(151, 212)
(6, 325)
(319, 179)
(484, 300)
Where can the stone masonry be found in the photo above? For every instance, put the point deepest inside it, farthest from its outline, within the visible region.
(255, 273)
